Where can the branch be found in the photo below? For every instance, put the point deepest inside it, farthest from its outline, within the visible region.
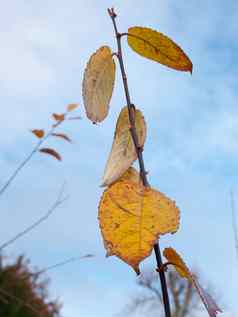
(57, 203)
(62, 263)
(234, 222)
(139, 151)
(28, 158)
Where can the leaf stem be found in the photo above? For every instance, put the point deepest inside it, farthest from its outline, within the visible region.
(139, 150)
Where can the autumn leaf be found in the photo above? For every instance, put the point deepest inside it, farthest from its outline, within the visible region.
(132, 218)
(158, 47)
(123, 152)
(98, 83)
(174, 258)
(62, 136)
(51, 152)
(131, 175)
(58, 117)
(72, 107)
(38, 133)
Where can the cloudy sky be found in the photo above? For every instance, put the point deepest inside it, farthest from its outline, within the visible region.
(191, 150)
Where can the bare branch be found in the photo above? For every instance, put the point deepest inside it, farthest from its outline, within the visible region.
(63, 263)
(234, 222)
(30, 155)
(184, 300)
(60, 199)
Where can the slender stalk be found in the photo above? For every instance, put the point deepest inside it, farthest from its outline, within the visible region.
(35, 224)
(28, 158)
(234, 222)
(139, 151)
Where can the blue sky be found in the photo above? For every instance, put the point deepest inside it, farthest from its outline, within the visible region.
(191, 150)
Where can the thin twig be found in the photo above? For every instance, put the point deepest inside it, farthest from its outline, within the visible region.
(139, 150)
(63, 263)
(28, 158)
(234, 222)
(60, 199)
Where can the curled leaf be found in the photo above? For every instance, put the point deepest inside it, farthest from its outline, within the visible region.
(98, 83)
(38, 133)
(62, 136)
(174, 258)
(72, 107)
(158, 47)
(51, 152)
(132, 218)
(123, 152)
(58, 117)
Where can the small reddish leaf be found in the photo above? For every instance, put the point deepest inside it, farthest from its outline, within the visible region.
(62, 136)
(51, 152)
(72, 107)
(58, 117)
(74, 118)
(38, 133)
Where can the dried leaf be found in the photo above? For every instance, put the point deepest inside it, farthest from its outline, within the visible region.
(158, 47)
(123, 152)
(58, 117)
(132, 218)
(38, 133)
(174, 258)
(98, 83)
(72, 107)
(62, 136)
(51, 152)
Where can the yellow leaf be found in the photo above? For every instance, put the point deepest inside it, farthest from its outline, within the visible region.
(72, 107)
(38, 133)
(98, 83)
(132, 218)
(123, 152)
(131, 175)
(175, 259)
(158, 47)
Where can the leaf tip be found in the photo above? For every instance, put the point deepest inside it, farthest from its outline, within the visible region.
(136, 269)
